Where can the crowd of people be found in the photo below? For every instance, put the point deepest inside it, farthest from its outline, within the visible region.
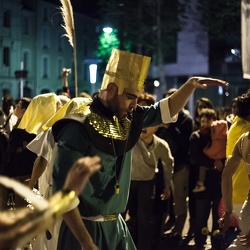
(158, 161)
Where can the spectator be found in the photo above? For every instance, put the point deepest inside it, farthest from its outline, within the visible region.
(177, 135)
(201, 103)
(216, 148)
(18, 159)
(6, 118)
(208, 200)
(145, 156)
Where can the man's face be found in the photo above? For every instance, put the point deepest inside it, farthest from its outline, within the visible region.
(122, 105)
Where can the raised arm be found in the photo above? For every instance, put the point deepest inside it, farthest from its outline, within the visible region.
(38, 169)
(226, 184)
(180, 98)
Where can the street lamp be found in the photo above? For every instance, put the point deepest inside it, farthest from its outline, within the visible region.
(107, 30)
(21, 74)
(92, 74)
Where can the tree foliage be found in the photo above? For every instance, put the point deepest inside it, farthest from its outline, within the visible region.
(137, 24)
(106, 43)
(137, 21)
(221, 18)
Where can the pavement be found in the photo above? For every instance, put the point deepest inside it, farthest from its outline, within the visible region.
(166, 245)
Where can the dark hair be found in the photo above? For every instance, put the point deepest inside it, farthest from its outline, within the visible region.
(8, 99)
(208, 113)
(170, 92)
(146, 97)
(25, 102)
(205, 102)
(235, 100)
(243, 104)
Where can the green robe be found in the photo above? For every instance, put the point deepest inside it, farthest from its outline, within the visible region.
(76, 139)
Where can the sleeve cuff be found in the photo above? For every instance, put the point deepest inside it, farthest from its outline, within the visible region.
(165, 114)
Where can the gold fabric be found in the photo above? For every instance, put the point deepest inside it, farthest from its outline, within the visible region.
(40, 109)
(60, 201)
(115, 129)
(126, 70)
(78, 105)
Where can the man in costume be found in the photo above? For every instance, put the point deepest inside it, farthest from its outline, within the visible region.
(110, 130)
(43, 146)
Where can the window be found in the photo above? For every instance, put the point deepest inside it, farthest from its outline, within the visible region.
(6, 56)
(25, 60)
(60, 42)
(45, 14)
(45, 38)
(6, 19)
(25, 27)
(45, 65)
(60, 67)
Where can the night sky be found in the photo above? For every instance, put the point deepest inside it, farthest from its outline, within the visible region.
(87, 7)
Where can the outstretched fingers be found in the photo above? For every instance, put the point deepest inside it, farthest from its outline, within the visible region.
(203, 82)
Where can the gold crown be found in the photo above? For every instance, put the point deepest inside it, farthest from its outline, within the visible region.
(126, 70)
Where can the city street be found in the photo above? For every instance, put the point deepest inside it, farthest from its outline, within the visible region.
(165, 245)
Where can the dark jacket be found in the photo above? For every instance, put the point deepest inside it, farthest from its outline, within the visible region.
(197, 158)
(177, 135)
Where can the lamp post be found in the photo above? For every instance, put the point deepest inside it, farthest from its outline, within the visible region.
(21, 74)
(107, 30)
(92, 76)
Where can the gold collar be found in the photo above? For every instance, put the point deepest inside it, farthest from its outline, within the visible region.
(110, 128)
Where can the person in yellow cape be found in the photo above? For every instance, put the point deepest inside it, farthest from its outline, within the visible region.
(20, 160)
(110, 130)
(43, 146)
(40, 110)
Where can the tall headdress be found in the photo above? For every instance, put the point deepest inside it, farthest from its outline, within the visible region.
(126, 70)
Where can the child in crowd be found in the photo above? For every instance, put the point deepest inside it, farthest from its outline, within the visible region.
(216, 131)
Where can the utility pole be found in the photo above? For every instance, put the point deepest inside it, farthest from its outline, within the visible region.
(159, 43)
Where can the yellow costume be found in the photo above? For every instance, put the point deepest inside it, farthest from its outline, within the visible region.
(240, 177)
(40, 110)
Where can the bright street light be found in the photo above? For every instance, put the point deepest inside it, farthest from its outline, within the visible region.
(156, 83)
(92, 71)
(107, 30)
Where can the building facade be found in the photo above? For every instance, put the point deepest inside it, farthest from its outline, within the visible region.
(34, 50)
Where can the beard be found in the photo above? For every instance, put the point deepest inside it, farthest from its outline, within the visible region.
(117, 109)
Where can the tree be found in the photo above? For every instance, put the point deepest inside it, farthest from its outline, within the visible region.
(107, 41)
(149, 26)
(137, 22)
(221, 18)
